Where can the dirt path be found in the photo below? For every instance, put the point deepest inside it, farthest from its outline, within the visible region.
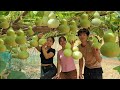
(108, 65)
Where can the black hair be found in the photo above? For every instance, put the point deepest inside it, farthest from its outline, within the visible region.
(51, 38)
(84, 30)
(62, 37)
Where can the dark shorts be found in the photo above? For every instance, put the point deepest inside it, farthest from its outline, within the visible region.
(95, 73)
(47, 72)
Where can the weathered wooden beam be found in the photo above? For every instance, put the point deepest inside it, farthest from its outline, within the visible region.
(22, 15)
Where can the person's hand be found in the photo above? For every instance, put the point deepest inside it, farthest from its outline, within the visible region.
(44, 45)
(96, 51)
(57, 76)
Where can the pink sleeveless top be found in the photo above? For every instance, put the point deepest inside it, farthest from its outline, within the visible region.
(67, 63)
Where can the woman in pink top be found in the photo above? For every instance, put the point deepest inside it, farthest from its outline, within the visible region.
(65, 65)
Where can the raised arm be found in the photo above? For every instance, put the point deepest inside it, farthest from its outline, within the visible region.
(39, 36)
(48, 55)
(96, 53)
(38, 48)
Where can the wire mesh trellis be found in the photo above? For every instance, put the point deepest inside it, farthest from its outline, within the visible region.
(30, 66)
(6, 56)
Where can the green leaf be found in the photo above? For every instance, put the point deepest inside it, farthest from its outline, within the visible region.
(118, 57)
(2, 65)
(117, 68)
(16, 75)
(4, 12)
(100, 33)
(40, 13)
(114, 27)
(35, 12)
(60, 15)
